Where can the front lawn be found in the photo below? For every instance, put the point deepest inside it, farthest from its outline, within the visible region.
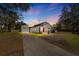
(37, 35)
(72, 39)
(11, 43)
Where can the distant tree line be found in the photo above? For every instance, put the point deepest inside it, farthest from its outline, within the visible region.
(11, 15)
(69, 19)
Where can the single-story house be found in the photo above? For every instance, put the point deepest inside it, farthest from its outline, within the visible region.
(44, 28)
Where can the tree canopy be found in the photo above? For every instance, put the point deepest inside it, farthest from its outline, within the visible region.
(69, 19)
(10, 14)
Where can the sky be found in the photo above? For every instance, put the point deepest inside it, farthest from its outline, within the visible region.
(43, 12)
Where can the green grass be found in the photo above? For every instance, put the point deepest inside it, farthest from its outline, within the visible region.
(72, 39)
(37, 35)
(11, 43)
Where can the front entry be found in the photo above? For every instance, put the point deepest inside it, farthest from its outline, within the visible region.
(41, 29)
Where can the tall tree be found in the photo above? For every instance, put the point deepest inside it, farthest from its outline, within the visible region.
(69, 18)
(10, 13)
(74, 16)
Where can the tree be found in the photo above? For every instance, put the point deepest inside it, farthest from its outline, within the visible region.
(69, 19)
(75, 16)
(10, 13)
(18, 25)
(63, 21)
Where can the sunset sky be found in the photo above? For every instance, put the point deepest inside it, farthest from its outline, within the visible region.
(47, 12)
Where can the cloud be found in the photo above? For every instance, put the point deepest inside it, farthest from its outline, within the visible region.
(52, 19)
(33, 11)
(33, 22)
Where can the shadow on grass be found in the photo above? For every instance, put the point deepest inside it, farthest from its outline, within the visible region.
(11, 43)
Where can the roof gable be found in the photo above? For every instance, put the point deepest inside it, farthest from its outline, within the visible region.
(41, 24)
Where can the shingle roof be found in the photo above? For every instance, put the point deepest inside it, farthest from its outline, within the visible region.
(41, 24)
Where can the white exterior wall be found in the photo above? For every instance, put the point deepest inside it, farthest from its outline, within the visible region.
(34, 29)
(25, 28)
(46, 27)
(37, 29)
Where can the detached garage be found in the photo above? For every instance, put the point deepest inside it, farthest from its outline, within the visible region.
(25, 28)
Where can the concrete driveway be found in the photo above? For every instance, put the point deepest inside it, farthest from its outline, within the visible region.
(34, 46)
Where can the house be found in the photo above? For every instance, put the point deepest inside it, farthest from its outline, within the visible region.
(44, 28)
